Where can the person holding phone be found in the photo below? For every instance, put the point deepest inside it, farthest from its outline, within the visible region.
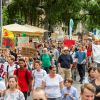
(69, 92)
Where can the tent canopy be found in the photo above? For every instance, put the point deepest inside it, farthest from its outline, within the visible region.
(23, 28)
(35, 29)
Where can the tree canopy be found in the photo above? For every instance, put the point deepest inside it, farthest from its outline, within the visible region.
(54, 12)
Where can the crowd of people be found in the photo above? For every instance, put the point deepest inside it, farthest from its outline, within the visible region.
(50, 73)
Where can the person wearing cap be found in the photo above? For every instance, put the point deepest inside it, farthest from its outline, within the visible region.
(65, 62)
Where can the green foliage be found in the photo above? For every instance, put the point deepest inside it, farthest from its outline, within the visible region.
(5, 16)
(56, 11)
(92, 17)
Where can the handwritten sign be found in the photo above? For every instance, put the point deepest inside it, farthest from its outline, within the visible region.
(23, 41)
(28, 52)
(75, 38)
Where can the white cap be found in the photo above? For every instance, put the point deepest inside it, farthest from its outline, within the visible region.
(65, 48)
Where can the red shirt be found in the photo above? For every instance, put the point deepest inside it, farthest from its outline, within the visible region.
(89, 51)
(22, 82)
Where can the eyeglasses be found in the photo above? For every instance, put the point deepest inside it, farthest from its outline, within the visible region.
(38, 99)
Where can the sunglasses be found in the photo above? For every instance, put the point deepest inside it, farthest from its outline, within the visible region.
(66, 50)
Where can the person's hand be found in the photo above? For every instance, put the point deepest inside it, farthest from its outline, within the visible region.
(66, 94)
(59, 69)
(98, 94)
(28, 93)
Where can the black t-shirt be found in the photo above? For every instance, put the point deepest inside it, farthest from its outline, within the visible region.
(97, 89)
(65, 60)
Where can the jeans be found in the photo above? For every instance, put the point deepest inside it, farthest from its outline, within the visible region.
(81, 70)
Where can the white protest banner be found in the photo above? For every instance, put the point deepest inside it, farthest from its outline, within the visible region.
(54, 36)
(96, 53)
(23, 41)
(97, 33)
(75, 38)
(35, 39)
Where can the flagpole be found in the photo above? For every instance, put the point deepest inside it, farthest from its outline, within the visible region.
(71, 23)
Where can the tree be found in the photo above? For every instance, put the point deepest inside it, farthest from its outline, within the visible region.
(61, 11)
(91, 14)
(25, 9)
(56, 11)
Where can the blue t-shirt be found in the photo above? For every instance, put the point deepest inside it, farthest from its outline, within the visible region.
(80, 56)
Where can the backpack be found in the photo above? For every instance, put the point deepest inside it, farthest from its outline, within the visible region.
(8, 68)
(26, 75)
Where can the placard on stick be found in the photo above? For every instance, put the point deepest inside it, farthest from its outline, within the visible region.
(28, 52)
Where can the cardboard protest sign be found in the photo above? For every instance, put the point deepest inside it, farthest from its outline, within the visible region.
(28, 52)
(85, 37)
(54, 36)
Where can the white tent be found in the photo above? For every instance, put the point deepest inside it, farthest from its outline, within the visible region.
(35, 29)
(23, 28)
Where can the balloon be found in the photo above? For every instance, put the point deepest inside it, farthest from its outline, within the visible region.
(23, 34)
(11, 35)
(4, 30)
(6, 34)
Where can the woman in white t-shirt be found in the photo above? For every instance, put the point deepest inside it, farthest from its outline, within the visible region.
(13, 93)
(38, 74)
(53, 83)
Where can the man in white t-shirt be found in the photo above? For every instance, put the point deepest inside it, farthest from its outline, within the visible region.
(38, 75)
